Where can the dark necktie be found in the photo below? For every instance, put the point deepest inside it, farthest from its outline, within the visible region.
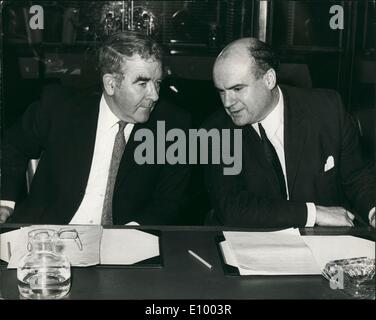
(117, 154)
(272, 157)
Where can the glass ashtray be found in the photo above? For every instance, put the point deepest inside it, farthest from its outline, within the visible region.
(356, 276)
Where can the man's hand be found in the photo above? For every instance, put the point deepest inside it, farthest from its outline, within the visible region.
(373, 221)
(5, 213)
(372, 217)
(334, 217)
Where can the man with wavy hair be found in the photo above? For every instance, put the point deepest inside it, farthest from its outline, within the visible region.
(87, 173)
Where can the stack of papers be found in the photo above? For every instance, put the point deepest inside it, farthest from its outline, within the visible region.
(286, 252)
(269, 253)
(93, 246)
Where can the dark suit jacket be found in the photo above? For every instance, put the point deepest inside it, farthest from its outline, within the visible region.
(61, 129)
(315, 127)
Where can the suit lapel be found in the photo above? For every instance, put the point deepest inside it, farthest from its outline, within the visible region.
(253, 151)
(127, 160)
(84, 133)
(295, 133)
(254, 146)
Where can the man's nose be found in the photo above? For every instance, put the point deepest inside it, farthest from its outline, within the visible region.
(227, 99)
(153, 92)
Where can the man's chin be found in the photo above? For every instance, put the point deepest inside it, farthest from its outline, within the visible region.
(239, 121)
(142, 120)
(144, 115)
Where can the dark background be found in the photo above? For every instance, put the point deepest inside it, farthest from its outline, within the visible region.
(192, 34)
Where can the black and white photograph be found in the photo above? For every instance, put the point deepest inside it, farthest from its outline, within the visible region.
(191, 157)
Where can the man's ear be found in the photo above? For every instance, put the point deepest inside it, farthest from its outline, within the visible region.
(270, 78)
(108, 83)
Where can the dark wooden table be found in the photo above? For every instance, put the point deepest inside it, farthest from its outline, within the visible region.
(182, 277)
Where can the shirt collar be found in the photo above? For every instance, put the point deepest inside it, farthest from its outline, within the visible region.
(274, 120)
(106, 119)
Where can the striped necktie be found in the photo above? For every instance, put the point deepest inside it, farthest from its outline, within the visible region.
(117, 154)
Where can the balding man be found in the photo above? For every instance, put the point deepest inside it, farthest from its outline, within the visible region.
(301, 160)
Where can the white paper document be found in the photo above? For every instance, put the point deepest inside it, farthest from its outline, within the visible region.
(94, 245)
(329, 248)
(269, 253)
(127, 246)
(287, 252)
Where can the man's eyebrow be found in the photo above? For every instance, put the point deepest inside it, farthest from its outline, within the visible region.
(142, 78)
(232, 87)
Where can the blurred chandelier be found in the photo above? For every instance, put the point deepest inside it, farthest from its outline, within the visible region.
(123, 15)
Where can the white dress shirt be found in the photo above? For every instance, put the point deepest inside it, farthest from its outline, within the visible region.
(274, 125)
(90, 210)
